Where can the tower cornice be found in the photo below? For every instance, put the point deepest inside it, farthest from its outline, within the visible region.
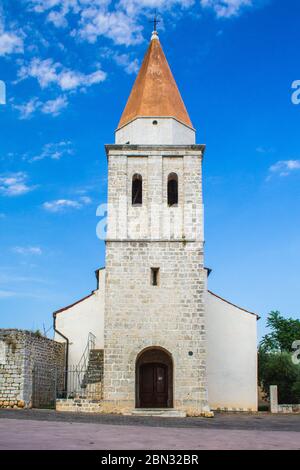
(163, 150)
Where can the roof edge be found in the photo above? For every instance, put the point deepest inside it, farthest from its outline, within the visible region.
(234, 305)
(73, 305)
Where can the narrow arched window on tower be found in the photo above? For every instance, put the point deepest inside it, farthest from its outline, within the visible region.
(172, 189)
(137, 190)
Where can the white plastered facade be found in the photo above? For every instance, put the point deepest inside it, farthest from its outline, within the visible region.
(231, 337)
(155, 130)
(78, 320)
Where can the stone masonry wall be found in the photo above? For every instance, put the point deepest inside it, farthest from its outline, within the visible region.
(155, 220)
(168, 316)
(12, 352)
(22, 352)
(275, 407)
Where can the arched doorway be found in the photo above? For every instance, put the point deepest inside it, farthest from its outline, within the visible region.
(154, 379)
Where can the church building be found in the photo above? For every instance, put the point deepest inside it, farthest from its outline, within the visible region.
(164, 340)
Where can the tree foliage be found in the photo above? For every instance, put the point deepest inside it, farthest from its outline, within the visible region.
(278, 369)
(275, 365)
(284, 331)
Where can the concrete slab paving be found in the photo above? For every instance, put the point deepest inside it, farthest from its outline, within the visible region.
(19, 434)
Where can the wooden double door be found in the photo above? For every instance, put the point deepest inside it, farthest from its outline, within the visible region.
(153, 385)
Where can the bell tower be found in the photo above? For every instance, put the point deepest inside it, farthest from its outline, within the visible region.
(154, 334)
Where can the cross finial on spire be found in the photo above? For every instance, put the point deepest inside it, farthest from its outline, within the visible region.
(155, 21)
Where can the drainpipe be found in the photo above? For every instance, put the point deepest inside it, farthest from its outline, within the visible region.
(67, 350)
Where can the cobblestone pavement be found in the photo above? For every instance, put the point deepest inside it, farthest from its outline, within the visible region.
(43, 429)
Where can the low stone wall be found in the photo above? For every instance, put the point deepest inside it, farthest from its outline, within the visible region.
(288, 409)
(236, 410)
(277, 408)
(21, 353)
(11, 370)
(79, 405)
(83, 405)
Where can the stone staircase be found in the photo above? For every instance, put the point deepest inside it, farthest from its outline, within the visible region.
(93, 377)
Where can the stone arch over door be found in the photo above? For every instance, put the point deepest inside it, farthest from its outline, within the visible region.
(154, 378)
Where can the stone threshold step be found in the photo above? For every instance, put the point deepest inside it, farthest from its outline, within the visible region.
(161, 412)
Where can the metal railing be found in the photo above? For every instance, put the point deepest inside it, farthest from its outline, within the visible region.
(83, 380)
(91, 343)
(82, 383)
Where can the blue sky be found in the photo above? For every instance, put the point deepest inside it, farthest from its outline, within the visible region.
(69, 66)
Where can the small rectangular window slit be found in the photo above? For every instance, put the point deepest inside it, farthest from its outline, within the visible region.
(154, 276)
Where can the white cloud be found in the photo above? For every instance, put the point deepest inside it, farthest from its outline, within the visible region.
(53, 107)
(4, 294)
(265, 150)
(121, 21)
(26, 110)
(58, 19)
(115, 25)
(54, 151)
(11, 41)
(27, 250)
(12, 278)
(86, 200)
(124, 22)
(14, 184)
(61, 205)
(48, 72)
(134, 7)
(43, 70)
(284, 167)
(43, 5)
(226, 8)
(130, 66)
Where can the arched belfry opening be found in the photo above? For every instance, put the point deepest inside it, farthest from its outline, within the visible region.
(172, 189)
(137, 190)
(154, 379)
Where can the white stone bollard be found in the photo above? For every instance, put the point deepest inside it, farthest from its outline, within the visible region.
(274, 398)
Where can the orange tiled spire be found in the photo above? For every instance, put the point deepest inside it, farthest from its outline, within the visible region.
(155, 93)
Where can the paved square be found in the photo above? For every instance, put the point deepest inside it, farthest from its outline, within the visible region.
(44, 430)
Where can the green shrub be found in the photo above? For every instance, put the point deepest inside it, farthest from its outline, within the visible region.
(279, 369)
(296, 390)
